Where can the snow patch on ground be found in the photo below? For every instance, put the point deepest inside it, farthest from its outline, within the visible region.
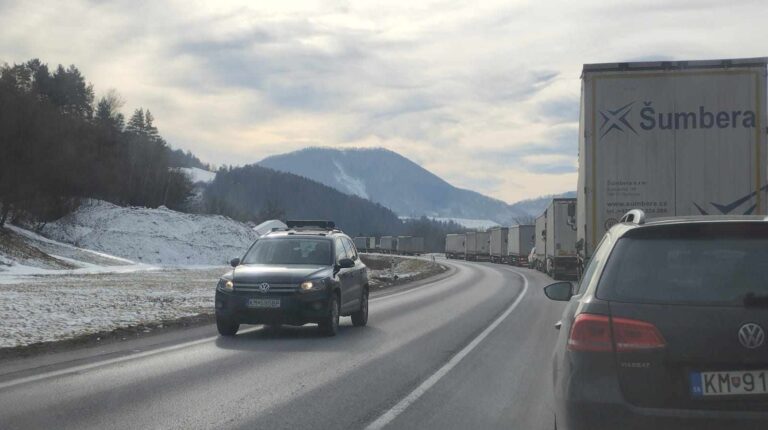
(51, 308)
(198, 175)
(383, 270)
(153, 236)
(353, 185)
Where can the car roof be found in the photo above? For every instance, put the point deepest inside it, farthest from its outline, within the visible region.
(620, 229)
(304, 232)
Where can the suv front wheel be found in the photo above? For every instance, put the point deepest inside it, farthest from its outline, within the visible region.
(360, 318)
(330, 324)
(226, 326)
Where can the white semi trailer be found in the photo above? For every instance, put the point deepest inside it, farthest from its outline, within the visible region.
(498, 244)
(560, 239)
(539, 254)
(477, 244)
(521, 240)
(410, 245)
(455, 245)
(365, 243)
(671, 138)
(388, 244)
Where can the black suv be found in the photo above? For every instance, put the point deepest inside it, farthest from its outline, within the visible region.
(307, 273)
(666, 329)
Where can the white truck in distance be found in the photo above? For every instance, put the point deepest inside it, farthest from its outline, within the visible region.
(477, 245)
(455, 245)
(538, 256)
(670, 138)
(560, 239)
(498, 245)
(365, 243)
(520, 242)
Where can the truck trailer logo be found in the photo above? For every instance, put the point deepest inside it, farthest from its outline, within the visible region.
(728, 208)
(650, 119)
(616, 120)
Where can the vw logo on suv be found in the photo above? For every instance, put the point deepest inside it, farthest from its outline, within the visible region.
(751, 335)
(263, 287)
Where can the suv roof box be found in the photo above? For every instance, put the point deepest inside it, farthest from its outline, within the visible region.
(325, 225)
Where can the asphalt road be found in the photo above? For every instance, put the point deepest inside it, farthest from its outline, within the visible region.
(469, 350)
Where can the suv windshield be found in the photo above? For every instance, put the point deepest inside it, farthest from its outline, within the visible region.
(699, 264)
(290, 251)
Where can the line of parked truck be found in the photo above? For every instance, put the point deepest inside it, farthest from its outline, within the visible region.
(549, 245)
(403, 245)
(672, 138)
(504, 245)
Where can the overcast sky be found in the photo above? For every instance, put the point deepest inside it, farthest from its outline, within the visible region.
(484, 94)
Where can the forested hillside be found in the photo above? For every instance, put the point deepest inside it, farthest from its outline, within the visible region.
(255, 193)
(59, 144)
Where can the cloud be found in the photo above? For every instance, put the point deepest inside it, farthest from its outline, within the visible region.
(485, 95)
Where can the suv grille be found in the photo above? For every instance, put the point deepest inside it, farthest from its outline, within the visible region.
(273, 288)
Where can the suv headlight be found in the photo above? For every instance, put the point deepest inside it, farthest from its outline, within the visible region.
(225, 284)
(314, 285)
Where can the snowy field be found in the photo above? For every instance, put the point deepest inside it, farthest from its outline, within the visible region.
(153, 236)
(56, 307)
(106, 267)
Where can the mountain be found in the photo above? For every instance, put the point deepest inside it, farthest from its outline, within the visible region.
(392, 180)
(256, 193)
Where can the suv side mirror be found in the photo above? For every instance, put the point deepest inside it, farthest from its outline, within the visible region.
(346, 263)
(559, 291)
(234, 262)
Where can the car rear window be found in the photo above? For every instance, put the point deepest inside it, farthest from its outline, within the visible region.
(705, 263)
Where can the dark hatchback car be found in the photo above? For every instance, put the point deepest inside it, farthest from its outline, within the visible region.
(308, 273)
(666, 329)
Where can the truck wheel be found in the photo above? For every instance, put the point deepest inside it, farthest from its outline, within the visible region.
(226, 326)
(329, 326)
(360, 318)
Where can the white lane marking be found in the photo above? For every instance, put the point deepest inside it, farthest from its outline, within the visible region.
(89, 366)
(388, 416)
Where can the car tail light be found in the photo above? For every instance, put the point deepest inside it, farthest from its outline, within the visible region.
(600, 333)
(590, 333)
(632, 335)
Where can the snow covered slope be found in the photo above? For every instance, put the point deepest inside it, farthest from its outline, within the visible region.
(198, 175)
(153, 236)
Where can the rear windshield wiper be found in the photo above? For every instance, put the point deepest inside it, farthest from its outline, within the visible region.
(756, 300)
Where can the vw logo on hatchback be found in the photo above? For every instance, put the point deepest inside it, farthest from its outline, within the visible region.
(263, 287)
(751, 336)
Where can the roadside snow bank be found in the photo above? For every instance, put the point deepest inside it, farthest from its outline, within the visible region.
(153, 236)
(389, 270)
(52, 308)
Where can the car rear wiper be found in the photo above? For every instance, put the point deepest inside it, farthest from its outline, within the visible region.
(756, 300)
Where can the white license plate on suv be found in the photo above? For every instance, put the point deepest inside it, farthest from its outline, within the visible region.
(729, 383)
(264, 303)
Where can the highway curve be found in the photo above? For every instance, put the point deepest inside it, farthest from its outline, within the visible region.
(469, 349)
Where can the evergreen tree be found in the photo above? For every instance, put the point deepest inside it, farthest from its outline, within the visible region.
(136, 124)
(149, 127)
